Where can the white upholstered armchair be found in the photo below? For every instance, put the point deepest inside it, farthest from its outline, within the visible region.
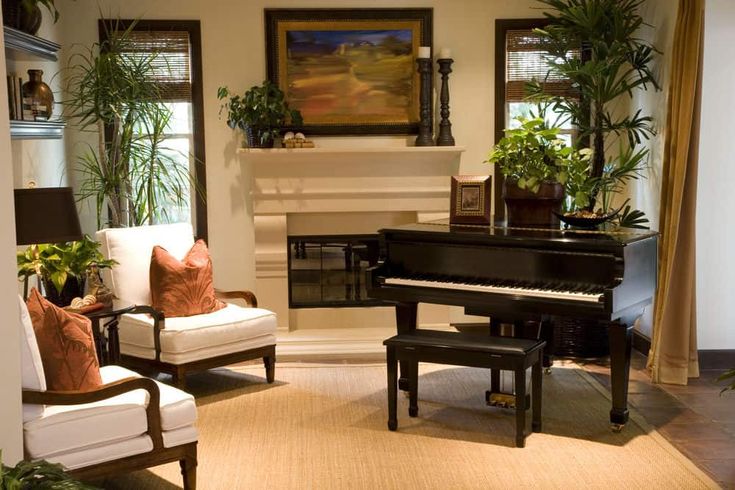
(183, 344)
(129, 423)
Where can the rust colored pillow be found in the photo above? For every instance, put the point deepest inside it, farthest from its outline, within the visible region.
(66, 344)
(183, 288)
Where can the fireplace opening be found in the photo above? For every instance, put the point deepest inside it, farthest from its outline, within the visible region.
(330, 270)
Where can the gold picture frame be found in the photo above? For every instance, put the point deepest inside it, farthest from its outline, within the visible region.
(471, 196)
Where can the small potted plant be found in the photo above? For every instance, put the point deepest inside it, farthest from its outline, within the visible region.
(26, 15)
(536, 165)
(261, 113)
(63, 267)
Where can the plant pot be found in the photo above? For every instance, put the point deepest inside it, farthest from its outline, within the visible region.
(74, 288)
(254, 139)
(526, 209)
(14, 15)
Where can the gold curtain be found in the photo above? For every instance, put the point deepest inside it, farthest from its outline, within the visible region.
(673, 356)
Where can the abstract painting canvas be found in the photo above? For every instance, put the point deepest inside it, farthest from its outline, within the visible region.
(349, 71)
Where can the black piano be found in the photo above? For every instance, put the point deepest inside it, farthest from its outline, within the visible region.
(514, 275)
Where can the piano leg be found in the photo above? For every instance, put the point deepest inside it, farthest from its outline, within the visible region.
(405, 323)
(620, 347)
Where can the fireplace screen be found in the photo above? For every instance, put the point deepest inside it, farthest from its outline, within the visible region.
(330, 270)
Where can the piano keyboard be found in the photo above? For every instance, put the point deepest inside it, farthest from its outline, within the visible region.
(494, 289)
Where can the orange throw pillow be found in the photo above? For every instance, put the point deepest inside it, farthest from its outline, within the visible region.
(183, 288)
(66, 344)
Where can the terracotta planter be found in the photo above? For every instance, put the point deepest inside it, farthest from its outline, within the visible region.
(526, 209)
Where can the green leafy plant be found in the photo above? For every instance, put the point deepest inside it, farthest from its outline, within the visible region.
(614, 61)
(727, 376)
(57, 263)
(131, 172)
(41, 474)
(532, 154)
(262, 109)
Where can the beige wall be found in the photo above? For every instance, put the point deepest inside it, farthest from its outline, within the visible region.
(234, 55)
(10, 408)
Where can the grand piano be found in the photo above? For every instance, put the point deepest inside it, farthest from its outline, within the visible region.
(513, 275)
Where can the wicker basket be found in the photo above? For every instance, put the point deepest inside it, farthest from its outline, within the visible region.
(580, 338)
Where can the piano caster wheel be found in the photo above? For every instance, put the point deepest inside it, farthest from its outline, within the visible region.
(413, 411)
(547, 371)
(392, 425)
(616, 427)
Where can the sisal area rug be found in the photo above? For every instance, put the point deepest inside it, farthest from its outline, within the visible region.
(323, 426)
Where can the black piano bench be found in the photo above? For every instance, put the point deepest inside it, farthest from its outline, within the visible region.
(503, 353)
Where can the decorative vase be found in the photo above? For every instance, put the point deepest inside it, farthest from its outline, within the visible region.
(15, 15)
(38, 99)
(528, 209)
(255, 140)
(73, 288)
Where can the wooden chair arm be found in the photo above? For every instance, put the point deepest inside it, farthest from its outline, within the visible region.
(104, 392)
(248, 296)
(159, 323)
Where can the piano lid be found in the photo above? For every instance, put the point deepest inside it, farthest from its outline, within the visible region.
(607, 235)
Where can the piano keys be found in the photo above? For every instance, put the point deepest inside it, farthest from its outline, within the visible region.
(513, 275)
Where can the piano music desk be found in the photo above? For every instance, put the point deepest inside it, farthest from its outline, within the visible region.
(458, 349)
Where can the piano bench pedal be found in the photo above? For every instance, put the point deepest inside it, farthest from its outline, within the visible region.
(457, 349)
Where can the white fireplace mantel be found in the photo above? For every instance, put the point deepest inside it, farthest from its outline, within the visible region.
(348, 189)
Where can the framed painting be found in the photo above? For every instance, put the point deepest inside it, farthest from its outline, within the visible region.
(349, 71)
(471, 196)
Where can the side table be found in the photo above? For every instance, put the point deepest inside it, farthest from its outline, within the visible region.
(108, 347)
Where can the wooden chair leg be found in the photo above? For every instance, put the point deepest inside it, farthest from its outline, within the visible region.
(536, 395)
(392, 388)
(178, 378)
(189, 470)
(270, 368)
(413, 389)
(520, 379)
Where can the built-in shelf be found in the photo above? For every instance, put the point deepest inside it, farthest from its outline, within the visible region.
(36, 130)
(354, 149)
(25, 47)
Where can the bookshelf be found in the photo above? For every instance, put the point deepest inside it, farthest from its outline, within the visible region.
(20, 46)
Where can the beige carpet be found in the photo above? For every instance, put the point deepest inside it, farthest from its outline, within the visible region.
(324, 426)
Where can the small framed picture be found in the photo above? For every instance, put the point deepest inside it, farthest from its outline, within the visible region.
(471, 196)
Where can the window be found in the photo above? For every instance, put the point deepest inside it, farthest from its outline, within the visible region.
(519, 59)
(177, 68)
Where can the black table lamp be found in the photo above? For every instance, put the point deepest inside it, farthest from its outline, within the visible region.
(45, 215)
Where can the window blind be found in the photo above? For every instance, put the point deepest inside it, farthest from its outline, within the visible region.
(171, 63)
(525, 61)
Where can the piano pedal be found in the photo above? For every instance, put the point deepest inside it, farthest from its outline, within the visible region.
(504, 400)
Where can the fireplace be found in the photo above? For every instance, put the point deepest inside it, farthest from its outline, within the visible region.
(330, 271)
(329, 201)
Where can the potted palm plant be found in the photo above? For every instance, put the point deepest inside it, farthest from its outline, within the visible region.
(614, 60)
(536, 164)
(261, 113)
(132, 175)
(62, 267)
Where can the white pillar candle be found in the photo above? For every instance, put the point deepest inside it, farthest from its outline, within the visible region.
(424, 52)
(445, 53)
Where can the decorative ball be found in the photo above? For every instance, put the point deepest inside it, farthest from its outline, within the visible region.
(88, 300)
(300, 136)
(288, 136)
(77, 303)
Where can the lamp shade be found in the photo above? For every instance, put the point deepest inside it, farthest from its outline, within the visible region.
(46, 215)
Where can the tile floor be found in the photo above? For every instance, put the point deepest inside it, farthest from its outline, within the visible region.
(694, 418)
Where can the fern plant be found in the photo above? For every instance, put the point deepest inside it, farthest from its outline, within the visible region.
(28, 475)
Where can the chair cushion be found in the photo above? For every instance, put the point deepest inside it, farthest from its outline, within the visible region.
(32, 377)
(199, 354)
(230, 324)
(183, 287)
(132, 247)
(65, 428)
(66, 345)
